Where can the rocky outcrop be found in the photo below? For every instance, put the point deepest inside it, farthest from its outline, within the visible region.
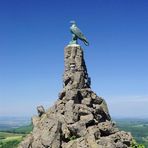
(79, 118)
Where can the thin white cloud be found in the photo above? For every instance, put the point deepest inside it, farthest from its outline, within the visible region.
(128, 98)
(131, 106)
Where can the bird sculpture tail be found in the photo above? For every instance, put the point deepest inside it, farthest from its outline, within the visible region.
(86, 42)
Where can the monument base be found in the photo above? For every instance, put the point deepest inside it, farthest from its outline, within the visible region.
(79, 118)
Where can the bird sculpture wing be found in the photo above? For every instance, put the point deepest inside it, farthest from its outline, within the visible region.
(79, 34)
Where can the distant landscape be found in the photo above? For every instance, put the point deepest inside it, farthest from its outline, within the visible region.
(14, 129)
(138, 128)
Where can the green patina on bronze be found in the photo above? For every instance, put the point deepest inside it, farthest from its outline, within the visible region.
(77, 34)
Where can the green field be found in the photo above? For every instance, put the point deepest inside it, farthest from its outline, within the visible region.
(12, 137)
(10, 140)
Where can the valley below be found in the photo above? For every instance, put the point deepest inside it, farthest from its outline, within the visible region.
(14, 129)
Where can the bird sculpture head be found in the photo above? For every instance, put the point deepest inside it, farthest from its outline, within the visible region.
(72, 22)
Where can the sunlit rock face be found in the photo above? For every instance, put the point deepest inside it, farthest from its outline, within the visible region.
(79, 118)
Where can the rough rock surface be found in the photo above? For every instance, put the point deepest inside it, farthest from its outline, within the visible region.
(79, 118)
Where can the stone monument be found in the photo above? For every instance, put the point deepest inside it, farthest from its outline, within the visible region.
(79, 118)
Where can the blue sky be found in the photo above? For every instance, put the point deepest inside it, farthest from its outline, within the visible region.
(33, 34)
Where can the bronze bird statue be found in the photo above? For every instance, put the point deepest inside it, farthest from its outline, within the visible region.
(77, 34)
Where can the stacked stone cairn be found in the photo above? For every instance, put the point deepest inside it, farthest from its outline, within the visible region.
(79, 118)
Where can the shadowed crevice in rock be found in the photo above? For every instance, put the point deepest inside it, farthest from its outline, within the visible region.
(79, 118)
